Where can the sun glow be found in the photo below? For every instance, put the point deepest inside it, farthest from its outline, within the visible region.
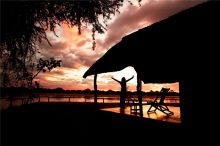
(127, 72)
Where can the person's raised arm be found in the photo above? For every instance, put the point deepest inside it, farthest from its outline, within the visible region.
(130, 79)
(116, 80)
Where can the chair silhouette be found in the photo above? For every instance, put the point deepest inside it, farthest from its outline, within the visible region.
(159, 105)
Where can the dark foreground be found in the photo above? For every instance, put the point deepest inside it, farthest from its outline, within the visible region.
(81, 124)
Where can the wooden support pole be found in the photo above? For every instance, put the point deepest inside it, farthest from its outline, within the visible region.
(186, 94)
(95, 89)
(139, 88)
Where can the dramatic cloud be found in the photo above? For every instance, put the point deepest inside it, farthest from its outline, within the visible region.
(73, 49)
(134, 17)
(77, 55)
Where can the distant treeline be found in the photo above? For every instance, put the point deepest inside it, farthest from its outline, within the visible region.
(21, 90)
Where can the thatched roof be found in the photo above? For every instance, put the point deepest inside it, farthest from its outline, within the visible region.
(168, 51)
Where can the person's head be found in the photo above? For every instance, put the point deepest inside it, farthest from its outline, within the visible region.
(123, 79)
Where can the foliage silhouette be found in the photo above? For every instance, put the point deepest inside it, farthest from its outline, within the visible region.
(24, 25)
(43, 66)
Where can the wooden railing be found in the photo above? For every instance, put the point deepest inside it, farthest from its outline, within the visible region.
(98, 98)
(26, 99)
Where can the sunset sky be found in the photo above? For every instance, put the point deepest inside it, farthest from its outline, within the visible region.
(77, 55)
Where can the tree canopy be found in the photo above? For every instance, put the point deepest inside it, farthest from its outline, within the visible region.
(27, 21)
(24, 23)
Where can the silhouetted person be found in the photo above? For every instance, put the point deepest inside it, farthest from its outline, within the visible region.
(123, 90)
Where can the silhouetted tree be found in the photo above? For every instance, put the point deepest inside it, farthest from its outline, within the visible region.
(59, 89)
(87, 90)
(24, 24)
(42, 66)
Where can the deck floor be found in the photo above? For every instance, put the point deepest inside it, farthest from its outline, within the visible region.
(158, 115)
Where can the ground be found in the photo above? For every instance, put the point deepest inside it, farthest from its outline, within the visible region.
(80, 124)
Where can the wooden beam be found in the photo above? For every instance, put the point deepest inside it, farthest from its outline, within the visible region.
(95, 89)
(139, 89)
(186, 93)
